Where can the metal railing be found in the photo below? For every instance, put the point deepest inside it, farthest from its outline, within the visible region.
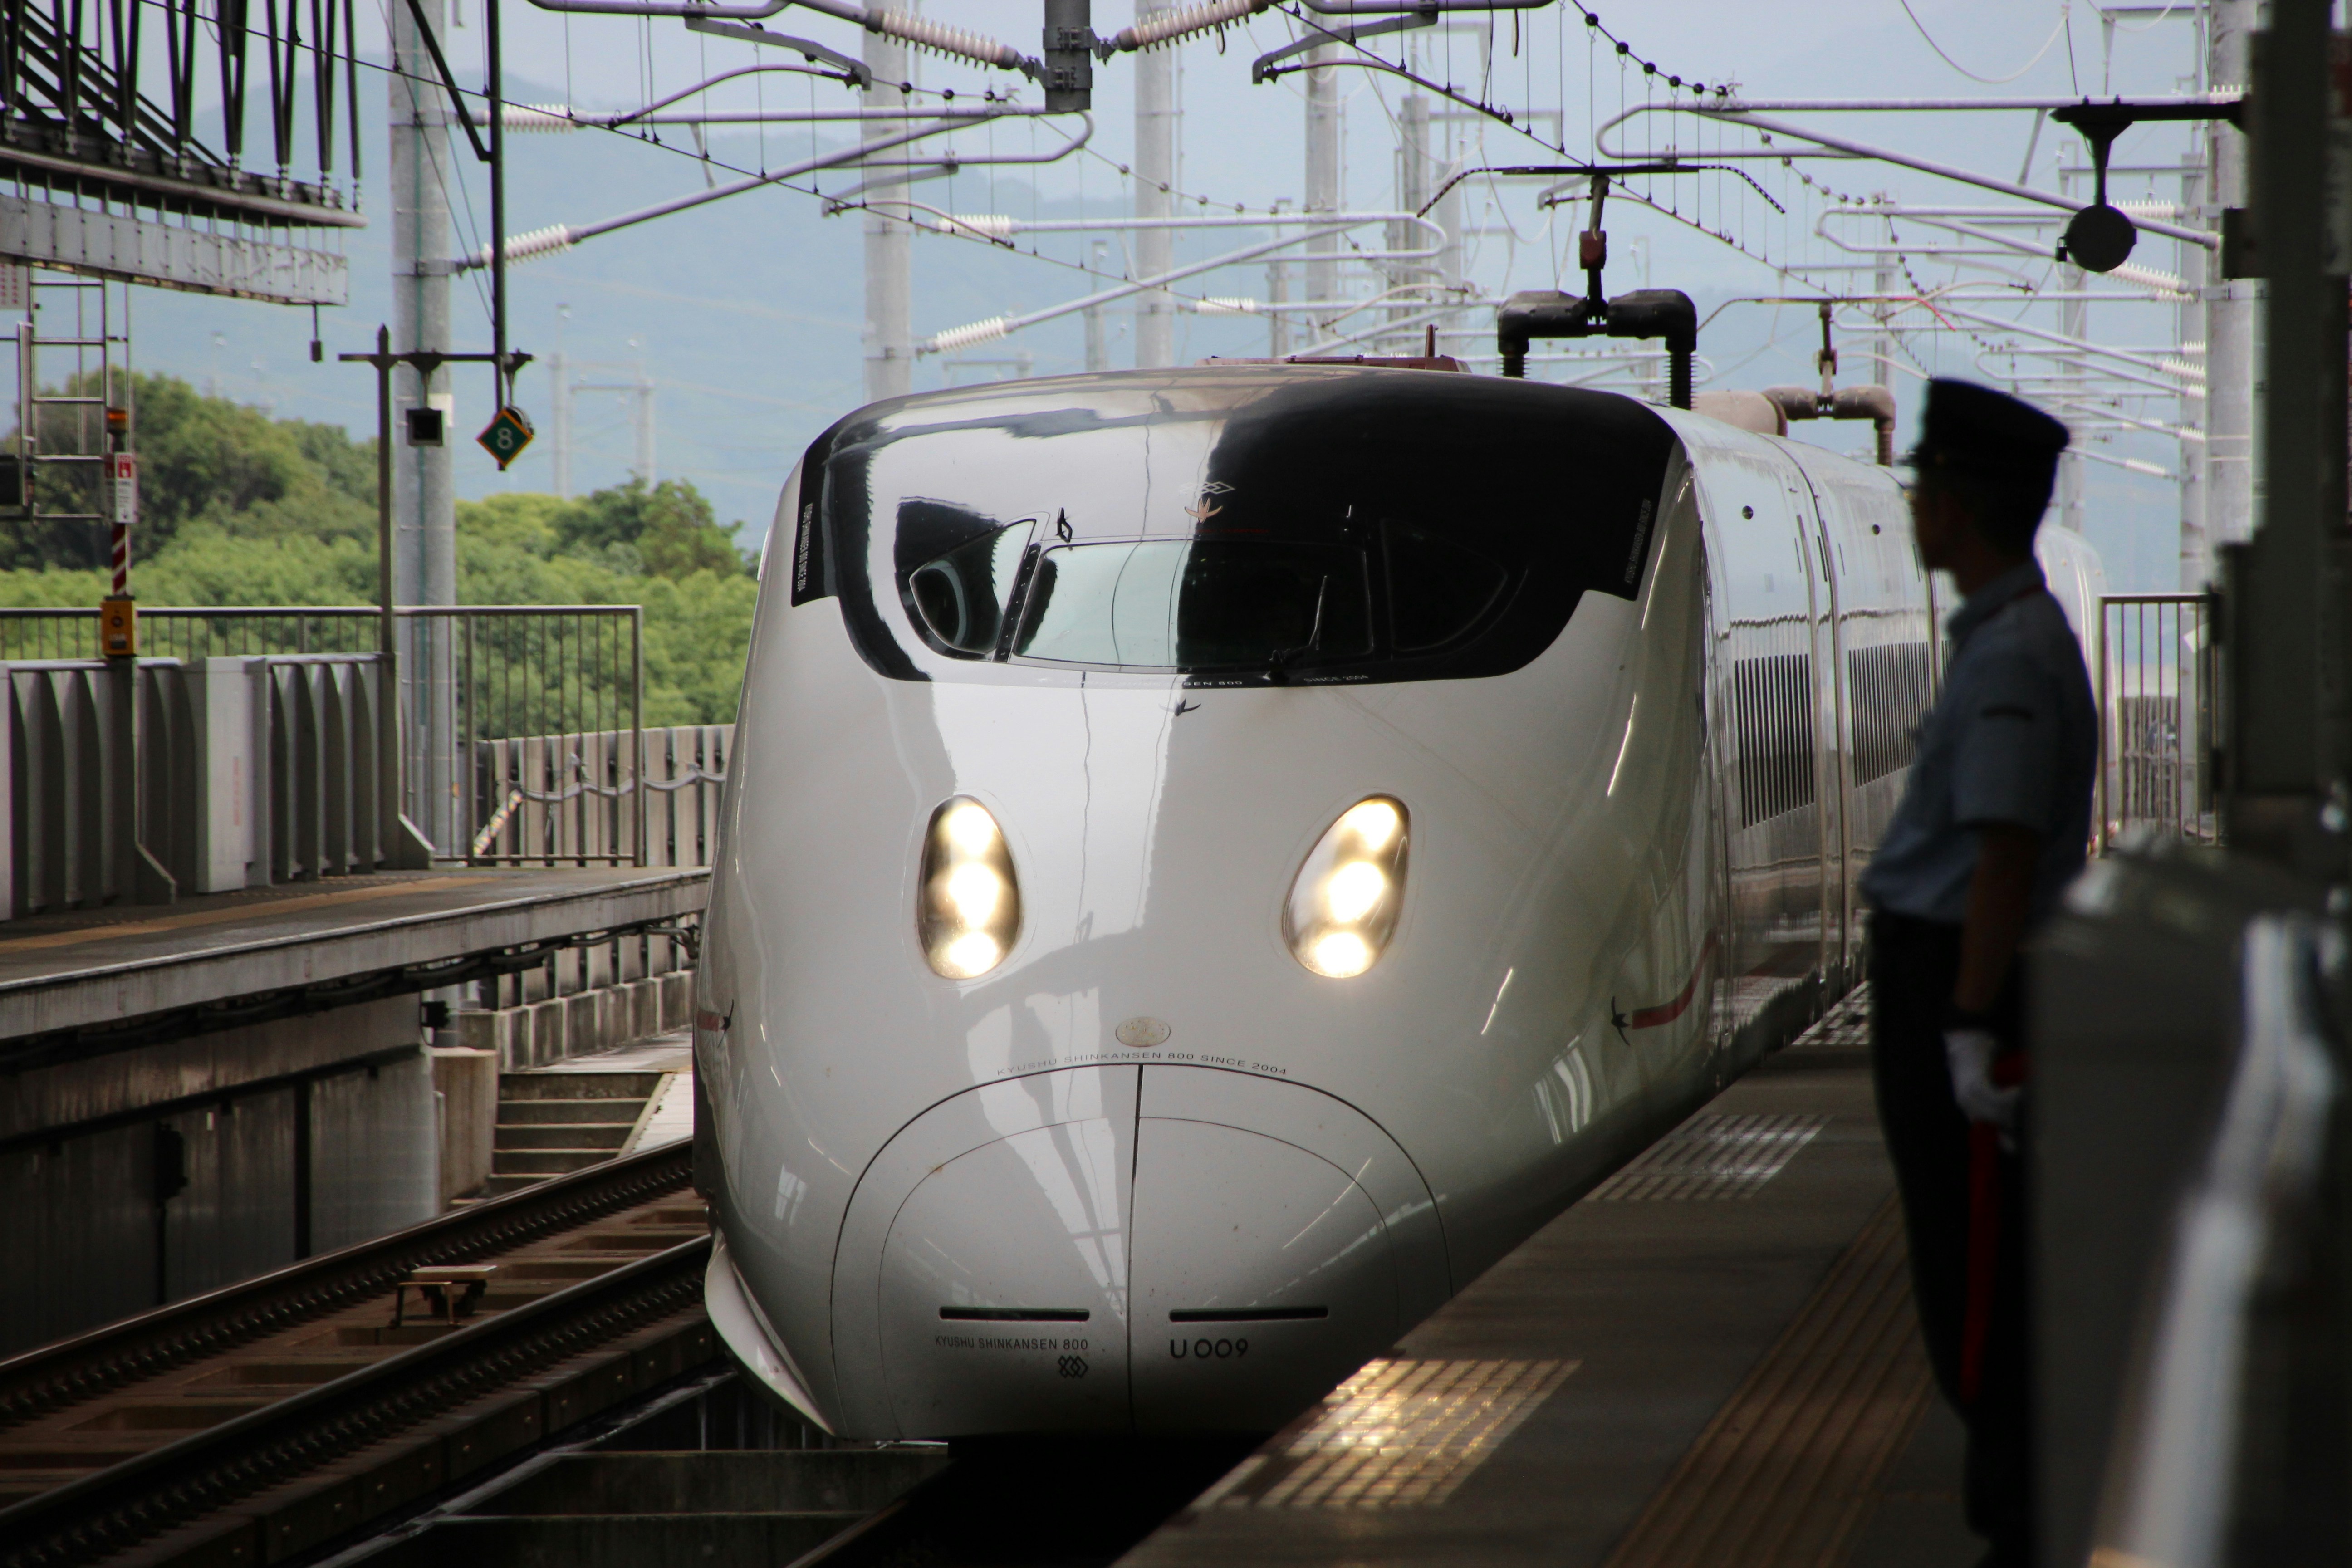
(2158, 690)
(519, 672)
(186, 634)
(473, 681)
(547, 799)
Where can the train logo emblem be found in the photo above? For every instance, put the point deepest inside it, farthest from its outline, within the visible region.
(1071, 1366)
(1208, 506)
(1143, 1032)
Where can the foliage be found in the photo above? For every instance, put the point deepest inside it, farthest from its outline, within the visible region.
(523, 549)
(239, 508)
(202, 461)
(669, 526)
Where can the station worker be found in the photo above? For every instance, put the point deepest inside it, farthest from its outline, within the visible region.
(1994, 822)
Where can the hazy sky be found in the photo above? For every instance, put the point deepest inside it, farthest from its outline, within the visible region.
(747, 310)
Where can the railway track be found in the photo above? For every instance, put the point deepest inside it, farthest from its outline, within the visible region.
(256, 1422)
(624, 1497)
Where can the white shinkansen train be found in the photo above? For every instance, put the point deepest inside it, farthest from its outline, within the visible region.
(1214, 858)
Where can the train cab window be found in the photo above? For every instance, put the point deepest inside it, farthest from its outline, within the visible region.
(1197, 604)
(1438, 590)
(960, 596)
(1232, 526)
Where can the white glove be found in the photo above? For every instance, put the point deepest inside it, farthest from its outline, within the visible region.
(1969, 1053)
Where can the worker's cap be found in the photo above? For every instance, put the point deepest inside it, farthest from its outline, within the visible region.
(1970, 428)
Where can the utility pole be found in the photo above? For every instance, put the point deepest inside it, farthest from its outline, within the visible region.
(1155, 176)
(889, 241)
(1882, 370)
(1278, 293)
(558, 411)
(2074, 320)
(1323, 174)
(643, 407)
(2188, 326)
(1415, 180)
(1448, 214)
(2072, 466)
(425, 506)
(1097, 350)
(2228, 307)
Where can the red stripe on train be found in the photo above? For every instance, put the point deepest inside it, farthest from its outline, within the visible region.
(1656, 1017)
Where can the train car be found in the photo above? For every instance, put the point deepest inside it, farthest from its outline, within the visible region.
(1214, 858)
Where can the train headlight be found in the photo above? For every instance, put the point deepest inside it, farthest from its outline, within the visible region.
(968, 909)
(1345, 901)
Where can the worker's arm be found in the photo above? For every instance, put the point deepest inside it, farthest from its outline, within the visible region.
(2001, 895)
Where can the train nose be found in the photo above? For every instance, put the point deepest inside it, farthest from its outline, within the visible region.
(1262, 1276)
(1280, 1240)
(1160, 1249)
(1000, 1221)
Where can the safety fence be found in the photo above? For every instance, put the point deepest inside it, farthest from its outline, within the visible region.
(2159, 690)
(557, 799)
(269, 744)
(184, 634)
(467, 675)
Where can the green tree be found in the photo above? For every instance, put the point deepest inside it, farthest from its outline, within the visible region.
(240, 509)
(669, 526)
(202, 461)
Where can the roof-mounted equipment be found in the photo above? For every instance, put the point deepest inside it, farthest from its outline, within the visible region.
(1663, 313)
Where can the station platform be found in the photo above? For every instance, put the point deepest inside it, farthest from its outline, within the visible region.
(1712, 1358)
(102, 968)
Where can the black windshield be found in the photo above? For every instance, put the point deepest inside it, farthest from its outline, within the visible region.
(1232, 525)
(1198, 603)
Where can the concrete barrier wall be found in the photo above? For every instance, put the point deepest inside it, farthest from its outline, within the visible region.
(247, 773)
(466, 1084)
(537, 1033)
(141, 1176)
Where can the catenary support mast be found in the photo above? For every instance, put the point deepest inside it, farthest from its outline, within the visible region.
(1155, 178)
(424, 506)
(1323, 173)
(2229, 309)
(889, 238)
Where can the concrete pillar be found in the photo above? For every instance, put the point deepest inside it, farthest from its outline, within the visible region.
(642, 425)
(1448, 214)
(1323, 159)
(1155, 177)
(558, 425)
(889, 241)
(1097, 349)
(1415, 181)
(424, 500)
(2074, 320)
(1278, 323)
(1882, 341)
(2230, 313)
(2189, 325)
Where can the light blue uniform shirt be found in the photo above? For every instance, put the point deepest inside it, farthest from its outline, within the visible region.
(2013, 739)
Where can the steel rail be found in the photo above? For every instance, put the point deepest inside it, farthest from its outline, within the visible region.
(39, 1381)
(117, 1508)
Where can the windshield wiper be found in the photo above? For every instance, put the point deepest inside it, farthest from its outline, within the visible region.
(1277, 662)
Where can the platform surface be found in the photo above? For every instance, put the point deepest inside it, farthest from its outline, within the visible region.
(101, 966)
(1710, 1360)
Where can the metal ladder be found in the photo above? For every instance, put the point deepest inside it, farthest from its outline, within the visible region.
(60, 316)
